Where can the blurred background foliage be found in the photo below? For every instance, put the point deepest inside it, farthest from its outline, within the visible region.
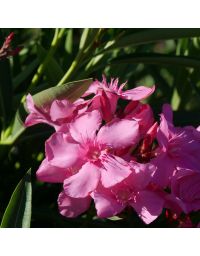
(168, 58)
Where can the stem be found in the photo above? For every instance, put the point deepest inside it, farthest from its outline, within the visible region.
(80, 56)
(54, 44)
(72, 68)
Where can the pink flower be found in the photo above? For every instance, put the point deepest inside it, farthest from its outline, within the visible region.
(72, 207)
(142, 113)
(178, 148)
(132, 191)
(106, 96)
(56, 114)
(90, 157)
(138, 93)
(185, 186)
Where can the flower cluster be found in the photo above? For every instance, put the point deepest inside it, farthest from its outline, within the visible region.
(118, 157)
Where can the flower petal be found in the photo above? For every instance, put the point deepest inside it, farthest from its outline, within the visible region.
(36, 115)
(106, 206)
(166, 127)
(148, 205)
(116, 170)
(61, 152)
(85, 126)
(61, 109)
(50, 173)
(138, 93)
(167, 112)
(84, 182)
(119, 134)
(142, 174)
(164, 169)
(72, 207)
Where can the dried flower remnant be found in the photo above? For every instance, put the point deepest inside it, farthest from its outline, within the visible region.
(6, 49)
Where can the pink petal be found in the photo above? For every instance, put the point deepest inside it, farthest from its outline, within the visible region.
(93, 88)
(30, 103)
(106, 206)
(113, 99)
(164, 169)
(107, 113)
(72, 207)
(61, 109)
(138, 93)
(50, 173)
(166, 127)
(60, 152)
(116, 170)
(119, 134)
(148, 206)
(33, 119)
(36, 115)
(174, 203)
(167, 112)
(84, 182)
(163, 134)
(142, 174)
(84, 127)
(131, 107)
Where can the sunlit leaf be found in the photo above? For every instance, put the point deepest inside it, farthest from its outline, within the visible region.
(115, 218)
(71, 91)
(69, 42)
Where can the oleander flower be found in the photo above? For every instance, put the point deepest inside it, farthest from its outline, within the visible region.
(119, 156)
(56, 114)
(72, 207)
(89, 157)
(106, 96)
(133, 191)
(179, 147)
(185, 186)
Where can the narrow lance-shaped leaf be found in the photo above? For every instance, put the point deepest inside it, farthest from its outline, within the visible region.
(21, 77)
(152, 35)
(18, 211)
(71, 91)
(53, 71)
(157, 59)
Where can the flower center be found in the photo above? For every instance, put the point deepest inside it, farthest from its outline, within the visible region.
(95, 155)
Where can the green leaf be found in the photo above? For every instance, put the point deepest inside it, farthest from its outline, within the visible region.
(18, 211)
(53, 71)
(70, 91)
(158, 59)
(17, 127)
(87, 37)
(115, 218)
(25, 73)
(69, 42)
(152, 35)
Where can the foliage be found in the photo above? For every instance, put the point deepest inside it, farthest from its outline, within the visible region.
(168, 58)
